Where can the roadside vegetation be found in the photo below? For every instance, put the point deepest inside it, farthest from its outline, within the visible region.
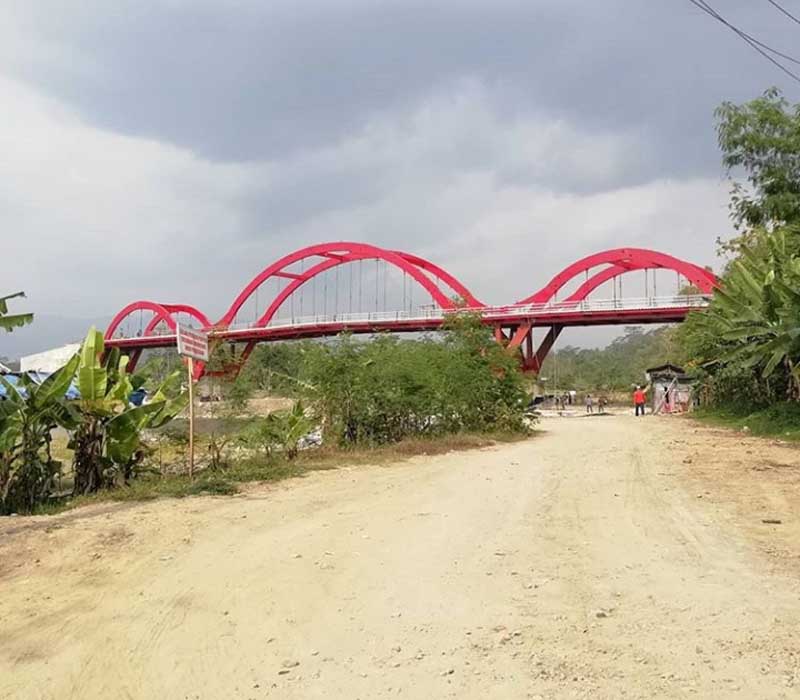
(346, 401)
(746, 347)
(105, 430)
(781, 420)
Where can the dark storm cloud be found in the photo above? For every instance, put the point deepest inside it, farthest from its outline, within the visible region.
(253, 81)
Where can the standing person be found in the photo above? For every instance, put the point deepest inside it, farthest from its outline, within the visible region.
(589, 404)
(639, 400)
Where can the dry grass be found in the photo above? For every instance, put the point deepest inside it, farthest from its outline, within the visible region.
(259, 469)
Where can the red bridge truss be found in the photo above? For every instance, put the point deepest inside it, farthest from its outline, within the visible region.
(513, 324)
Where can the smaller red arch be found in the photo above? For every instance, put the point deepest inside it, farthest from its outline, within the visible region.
(159, 310)
(620, 260)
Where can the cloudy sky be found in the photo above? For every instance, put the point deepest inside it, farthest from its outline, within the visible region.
(170, 149)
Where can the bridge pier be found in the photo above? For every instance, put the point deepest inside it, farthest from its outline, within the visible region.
(522, 341)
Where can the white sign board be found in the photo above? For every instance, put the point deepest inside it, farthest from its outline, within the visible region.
(192, 343)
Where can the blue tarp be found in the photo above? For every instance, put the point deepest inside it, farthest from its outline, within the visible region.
(12, 379)
(38, 377)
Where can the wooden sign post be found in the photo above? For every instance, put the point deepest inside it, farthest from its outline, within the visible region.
(193, 345)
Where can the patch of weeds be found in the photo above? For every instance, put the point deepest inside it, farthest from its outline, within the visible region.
(780, 420)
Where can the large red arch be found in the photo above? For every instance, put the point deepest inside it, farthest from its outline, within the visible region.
(321, 267)
(339, 253)
(620, 261)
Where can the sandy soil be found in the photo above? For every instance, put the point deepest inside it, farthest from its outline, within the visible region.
(609, 557)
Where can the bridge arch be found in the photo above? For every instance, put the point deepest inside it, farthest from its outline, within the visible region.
(339, 253)
(619, 262)
(161, 313)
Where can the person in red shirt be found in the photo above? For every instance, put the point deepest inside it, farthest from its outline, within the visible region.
(639, 400)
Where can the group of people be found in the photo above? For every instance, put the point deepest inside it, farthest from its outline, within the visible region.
(639, 401)
(602, 402)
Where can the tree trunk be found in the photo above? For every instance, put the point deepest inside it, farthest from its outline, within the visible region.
(88, 460)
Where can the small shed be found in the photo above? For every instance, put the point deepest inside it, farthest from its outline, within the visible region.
(671, 389)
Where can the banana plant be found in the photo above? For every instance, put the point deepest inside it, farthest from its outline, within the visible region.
(280, 432)
(9, 322)
(108, 439)
(28, 415)
(756, 312)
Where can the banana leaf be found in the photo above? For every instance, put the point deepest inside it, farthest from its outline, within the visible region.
(55, 387)
(124, 431)
(92, 376)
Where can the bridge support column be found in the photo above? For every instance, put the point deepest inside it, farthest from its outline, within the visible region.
(533, 363)
(522, 342)
(133, 359)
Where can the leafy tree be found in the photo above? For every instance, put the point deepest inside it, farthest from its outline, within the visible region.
(746, 345)
(754, 318)
(762, 139)
(9, 322)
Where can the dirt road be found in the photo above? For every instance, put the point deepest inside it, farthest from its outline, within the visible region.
(602, 559)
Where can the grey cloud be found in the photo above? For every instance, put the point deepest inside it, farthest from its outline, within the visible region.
(206, 139)
(257, 81)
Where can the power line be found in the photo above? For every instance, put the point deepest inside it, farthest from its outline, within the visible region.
(769, 48)
(749, 38)
(784, 10)
(752, 42)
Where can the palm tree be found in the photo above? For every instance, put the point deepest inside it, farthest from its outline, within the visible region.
(9, 322)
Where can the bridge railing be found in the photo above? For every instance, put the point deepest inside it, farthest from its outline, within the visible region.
(522, 310)
(421, 315)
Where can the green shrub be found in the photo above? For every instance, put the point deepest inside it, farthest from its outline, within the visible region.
(383, 391)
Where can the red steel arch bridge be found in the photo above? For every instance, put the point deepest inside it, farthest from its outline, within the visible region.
(330, 288)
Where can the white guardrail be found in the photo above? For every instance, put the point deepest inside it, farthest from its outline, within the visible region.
(522, 310)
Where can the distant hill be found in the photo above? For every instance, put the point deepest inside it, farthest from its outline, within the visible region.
(618, 365)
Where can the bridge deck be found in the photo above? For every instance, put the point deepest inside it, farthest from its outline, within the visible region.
(580, 313)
